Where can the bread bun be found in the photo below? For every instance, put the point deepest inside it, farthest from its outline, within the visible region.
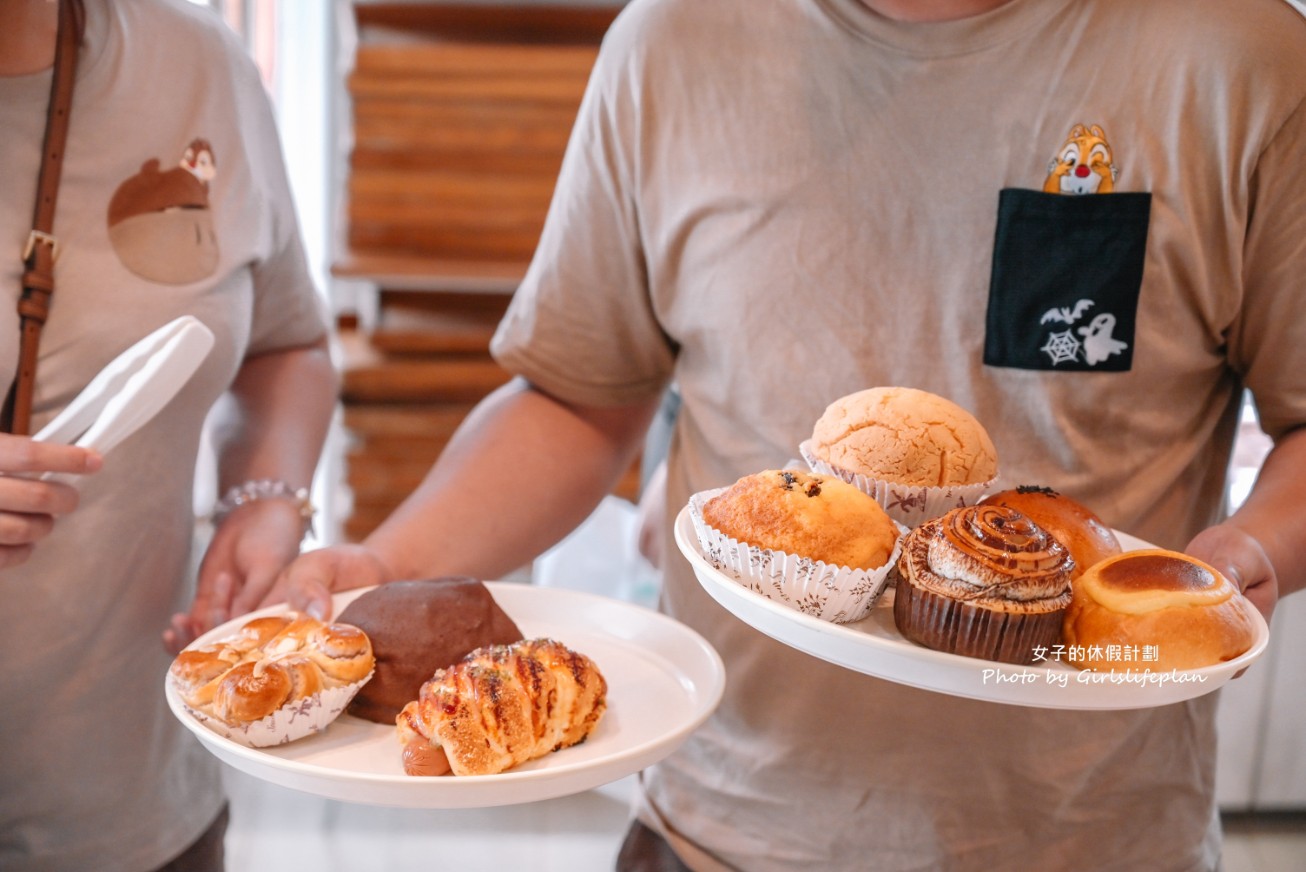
(196, 671)
(1174, 607)
(416, 628)
(1074, 525)
(291, 637)
(905, 435)
(342, 652)
(269, 663)
(257, 632)
(256, 688)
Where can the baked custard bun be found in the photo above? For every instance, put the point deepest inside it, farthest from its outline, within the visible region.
(275, 679)
(1171, 610)
(983, 581)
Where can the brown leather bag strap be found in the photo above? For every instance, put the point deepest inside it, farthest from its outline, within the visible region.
(41, 250)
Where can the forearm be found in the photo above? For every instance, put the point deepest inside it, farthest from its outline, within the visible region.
(271, 425)
(1275, 511)
(276, 417)
(521, 472)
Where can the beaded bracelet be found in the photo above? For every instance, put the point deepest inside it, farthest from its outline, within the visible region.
(264, 489)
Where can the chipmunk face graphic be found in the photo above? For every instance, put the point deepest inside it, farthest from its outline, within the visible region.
(198, 160)
(1084, 165)
(160, 221)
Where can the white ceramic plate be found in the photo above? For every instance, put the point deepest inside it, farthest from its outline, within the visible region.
(874, 646)
(663, 682)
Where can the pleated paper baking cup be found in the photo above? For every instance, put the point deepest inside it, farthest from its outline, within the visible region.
(839, 594)
(957, 627)
(295, 720)
(910, 505)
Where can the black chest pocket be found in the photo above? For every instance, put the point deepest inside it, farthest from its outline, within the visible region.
(1067, 271)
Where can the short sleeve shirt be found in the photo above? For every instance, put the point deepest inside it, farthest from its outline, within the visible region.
(1082, 221)
(173, 201)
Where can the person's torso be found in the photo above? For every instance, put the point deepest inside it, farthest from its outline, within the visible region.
(862, 245)
(913, 218)
(165, 208)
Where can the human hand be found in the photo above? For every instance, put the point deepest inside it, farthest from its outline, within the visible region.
(1242, 559)
(249, 548)
(29, 506)
(306, 584)
(1057, 169)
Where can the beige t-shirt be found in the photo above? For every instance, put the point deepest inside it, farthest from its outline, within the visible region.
(95, 772)
(779, 203)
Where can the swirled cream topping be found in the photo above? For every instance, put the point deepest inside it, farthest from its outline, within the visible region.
(993, 552)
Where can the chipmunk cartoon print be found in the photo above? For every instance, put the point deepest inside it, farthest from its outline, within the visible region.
(198, 160)
(1069, 253)
(160, 222)
(1084, 165)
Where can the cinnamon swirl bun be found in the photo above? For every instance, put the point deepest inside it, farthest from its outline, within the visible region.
(1073, 524)
(983, 581)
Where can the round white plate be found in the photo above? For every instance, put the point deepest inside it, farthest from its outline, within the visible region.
(663, 682)
(874, 646)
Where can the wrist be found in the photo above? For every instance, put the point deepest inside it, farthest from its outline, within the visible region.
(265, 489)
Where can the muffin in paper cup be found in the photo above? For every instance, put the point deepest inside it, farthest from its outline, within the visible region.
(839, 594)
(910, 505)
(295, 720)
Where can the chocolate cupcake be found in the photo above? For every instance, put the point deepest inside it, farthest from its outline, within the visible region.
(983, 581)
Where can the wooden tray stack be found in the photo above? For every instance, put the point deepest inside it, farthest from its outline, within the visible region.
(408, 384)
(461, 115)
(460, 118)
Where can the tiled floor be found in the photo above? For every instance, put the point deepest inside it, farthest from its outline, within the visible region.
(274, 829)
(1270, 842)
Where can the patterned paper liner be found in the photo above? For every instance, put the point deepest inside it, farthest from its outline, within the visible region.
(295, 720)
(838, 594)
(956, 627)
(907, 504)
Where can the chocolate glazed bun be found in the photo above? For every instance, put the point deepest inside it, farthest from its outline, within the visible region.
(983, 581)
(416, 628)
(1183, 610)
(1073, 524)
